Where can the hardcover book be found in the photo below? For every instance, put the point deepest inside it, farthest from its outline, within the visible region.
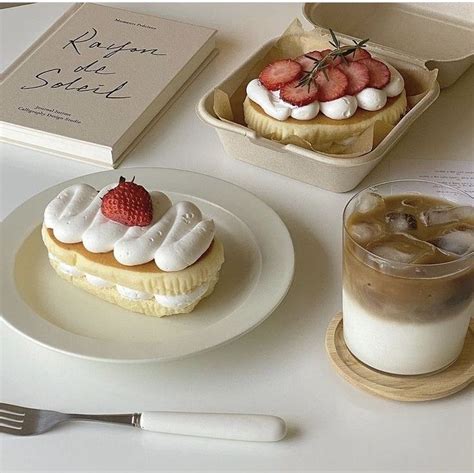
(93, 84)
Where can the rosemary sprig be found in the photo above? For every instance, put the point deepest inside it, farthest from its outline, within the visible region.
(322, 64)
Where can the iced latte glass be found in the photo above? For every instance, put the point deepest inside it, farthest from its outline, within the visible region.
(408, 278)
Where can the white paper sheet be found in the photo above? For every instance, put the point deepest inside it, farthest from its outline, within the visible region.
(455, 173)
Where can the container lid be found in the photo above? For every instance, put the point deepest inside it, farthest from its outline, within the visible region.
(440, 35)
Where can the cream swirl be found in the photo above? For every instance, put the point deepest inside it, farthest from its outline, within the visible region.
(176, 238)
(396, 84)
(277, 108)
(371, 99)
(339, 109)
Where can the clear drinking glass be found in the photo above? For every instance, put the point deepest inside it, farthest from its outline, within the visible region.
(407, 302)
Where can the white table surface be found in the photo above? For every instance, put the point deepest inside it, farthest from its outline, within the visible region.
(281, 367)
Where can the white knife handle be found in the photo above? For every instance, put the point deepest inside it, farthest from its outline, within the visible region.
(250, 427)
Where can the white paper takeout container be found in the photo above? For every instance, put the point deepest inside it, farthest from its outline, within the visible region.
(337, 174)
(439, 35)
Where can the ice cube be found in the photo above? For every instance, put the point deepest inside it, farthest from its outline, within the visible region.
(364, 232)
(442, 215)
(459, 241)
(369, 201)
(402, 248)
(400, 221)
(409, 202)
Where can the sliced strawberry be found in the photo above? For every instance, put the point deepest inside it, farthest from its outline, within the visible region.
(278, 73)
(379, 73)
(333, 88)
(357, 74)
(358, 54)
(306, 63)
(299, 95)
(335, 61)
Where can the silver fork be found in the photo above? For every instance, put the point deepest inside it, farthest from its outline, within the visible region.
(18, 420)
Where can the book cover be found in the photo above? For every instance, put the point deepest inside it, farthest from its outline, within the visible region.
(98, 76)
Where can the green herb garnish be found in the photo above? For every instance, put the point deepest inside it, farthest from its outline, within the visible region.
(322, 64)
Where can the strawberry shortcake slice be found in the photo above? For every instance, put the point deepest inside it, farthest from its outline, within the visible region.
(327, 98)
(132, 247)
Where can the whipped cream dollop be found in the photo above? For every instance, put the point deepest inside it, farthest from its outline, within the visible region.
(339, 109)
(370, 99)
(277, 108)
(396, 84)
(176, 238)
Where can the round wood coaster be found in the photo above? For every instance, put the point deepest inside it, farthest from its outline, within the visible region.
(398, 387)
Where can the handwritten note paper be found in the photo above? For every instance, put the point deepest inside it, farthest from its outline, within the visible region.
(455, 173)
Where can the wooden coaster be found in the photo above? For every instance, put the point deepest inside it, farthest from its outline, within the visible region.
(398, 387)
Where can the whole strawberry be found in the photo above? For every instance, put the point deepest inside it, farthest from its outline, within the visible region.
(129, 204)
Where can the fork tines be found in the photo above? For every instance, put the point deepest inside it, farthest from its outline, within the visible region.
(11, 418)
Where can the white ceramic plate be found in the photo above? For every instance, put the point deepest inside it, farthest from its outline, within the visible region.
(256, 275)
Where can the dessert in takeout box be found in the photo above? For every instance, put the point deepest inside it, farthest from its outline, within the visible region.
(323, 95)
(132, 247)
(327, 98)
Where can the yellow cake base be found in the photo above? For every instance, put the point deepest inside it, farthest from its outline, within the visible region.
(323, 133)
(146, 307)
(144, 278)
